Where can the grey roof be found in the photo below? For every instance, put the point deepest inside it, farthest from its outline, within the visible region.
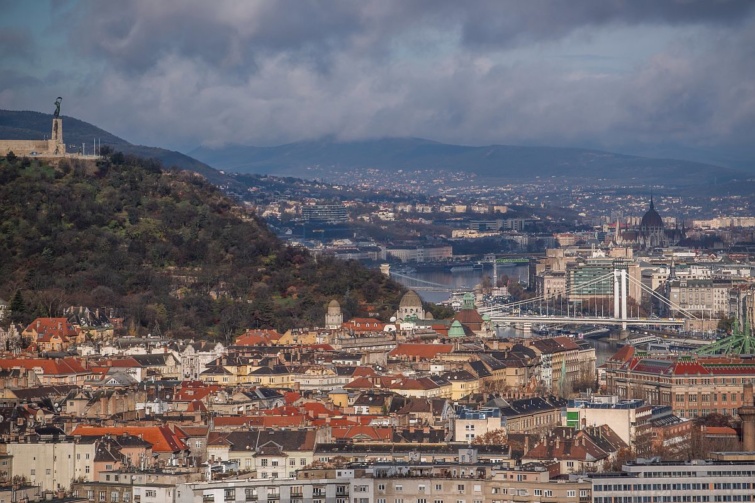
(288, 440)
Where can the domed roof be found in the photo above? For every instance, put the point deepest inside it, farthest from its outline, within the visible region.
(456, 329)
(410, 299)
(334, 303)
(651, 218)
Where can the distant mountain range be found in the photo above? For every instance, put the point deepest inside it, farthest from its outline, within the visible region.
(493, 163)
(310, 159)
(27, 125)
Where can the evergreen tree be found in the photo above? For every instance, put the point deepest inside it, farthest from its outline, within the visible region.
(17, 308)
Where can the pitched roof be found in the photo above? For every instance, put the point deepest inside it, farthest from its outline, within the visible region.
(362, 432)
(364, 325)
(288, 439)
(162, 438)
(52, 326)
(49, 367)
(258, 337)
(420, 351)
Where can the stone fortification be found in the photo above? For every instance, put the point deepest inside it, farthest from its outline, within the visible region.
(44, 148)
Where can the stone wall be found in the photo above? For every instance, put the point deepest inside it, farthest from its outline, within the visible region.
(24, 147)
(52, 147)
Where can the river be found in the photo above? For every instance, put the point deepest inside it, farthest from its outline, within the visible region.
(454, 281)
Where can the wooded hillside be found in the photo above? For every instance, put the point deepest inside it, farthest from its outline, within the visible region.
(165, 248)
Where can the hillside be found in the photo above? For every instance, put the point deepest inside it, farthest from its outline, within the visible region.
(494, 163)
(165, 248)
(26, 125)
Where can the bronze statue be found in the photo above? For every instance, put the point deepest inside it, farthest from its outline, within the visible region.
(57, 107)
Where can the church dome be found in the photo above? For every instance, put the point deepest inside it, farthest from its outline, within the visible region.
(651, 219)
(410, 299)
(334, 304)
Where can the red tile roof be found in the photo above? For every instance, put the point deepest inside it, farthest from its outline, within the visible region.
(52, 326)
(51, 367)
(624, 354)
(683, 367)
(364, 325)
(291, 397)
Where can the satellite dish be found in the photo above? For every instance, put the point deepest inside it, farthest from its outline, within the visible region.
(393, 319)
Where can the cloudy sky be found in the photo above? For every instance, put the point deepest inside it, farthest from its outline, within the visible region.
(629, 75)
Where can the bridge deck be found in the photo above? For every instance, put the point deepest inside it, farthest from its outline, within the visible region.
(584, 320)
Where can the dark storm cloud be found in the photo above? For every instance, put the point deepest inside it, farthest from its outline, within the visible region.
(264, 72)
(135, 34)
(16, 43)
(497, 23)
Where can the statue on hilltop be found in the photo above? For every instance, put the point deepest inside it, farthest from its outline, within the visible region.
(57, 107)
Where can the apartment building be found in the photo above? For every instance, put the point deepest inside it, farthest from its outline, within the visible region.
(728, 477)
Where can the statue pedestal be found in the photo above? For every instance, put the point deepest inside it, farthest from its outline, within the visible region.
(55, 143)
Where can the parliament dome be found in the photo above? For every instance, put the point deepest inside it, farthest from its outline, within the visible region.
(651, 218)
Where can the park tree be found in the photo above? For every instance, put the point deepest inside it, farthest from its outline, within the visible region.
(18, 311)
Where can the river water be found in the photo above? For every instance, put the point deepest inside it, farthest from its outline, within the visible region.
(460, 280)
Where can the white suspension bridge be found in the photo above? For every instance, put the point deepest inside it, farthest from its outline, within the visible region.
(516, 312)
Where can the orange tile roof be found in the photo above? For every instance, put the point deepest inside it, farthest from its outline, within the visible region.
(162, 438)
(63, 366)
(425, 351)
(364, 431)
(317, 409)
(625, 354)
(258, 337)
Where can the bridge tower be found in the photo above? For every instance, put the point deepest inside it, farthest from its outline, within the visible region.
(620, 298)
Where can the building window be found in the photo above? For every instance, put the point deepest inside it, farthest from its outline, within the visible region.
(229, 494)
(103, 496)
(149, 493)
